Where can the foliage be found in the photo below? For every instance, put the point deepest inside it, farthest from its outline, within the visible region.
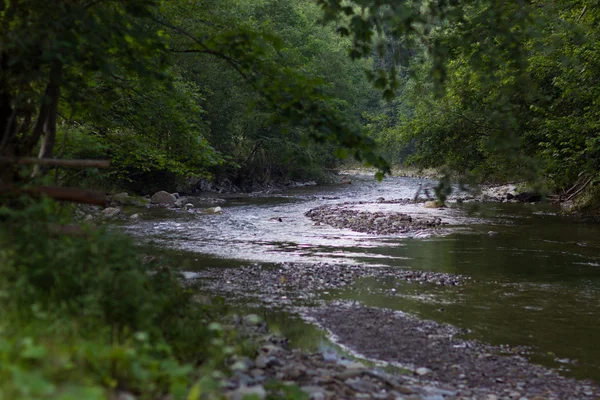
(139, 78)
(82, 316)
(519, 100)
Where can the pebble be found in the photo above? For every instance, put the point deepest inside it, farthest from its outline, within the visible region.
(343, 217)
(328, 378)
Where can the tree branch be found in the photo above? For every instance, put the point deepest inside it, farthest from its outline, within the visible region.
(206, 50)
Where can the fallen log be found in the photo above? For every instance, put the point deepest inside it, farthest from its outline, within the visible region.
(56, 162)
(73, 195)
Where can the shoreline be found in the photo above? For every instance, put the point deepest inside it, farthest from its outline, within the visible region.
(434, 359)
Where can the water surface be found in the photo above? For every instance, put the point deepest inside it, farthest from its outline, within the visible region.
(535, 275)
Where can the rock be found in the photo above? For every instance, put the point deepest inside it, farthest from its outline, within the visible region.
(188, 206)
(163, 198)
(261, 361)
(178, 203)
(176, 195)
(352, 365)
(213, 210)
(135, 217)
(111, 212)
(254, 392)
(270, 349)
(315, 392)
(240, 366)
(422, 371)
(528, 197)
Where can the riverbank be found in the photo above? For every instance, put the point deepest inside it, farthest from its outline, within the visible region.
(436, 359)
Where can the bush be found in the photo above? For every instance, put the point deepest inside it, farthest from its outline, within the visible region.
(82, 316)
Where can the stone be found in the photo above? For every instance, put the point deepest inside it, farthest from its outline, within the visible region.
(178, 203)
(528, 197)
(188, 206)
(313, 391)
(214, 210)
(352, 365)
(256, 372)
(422, 371)
(261, 361)
(163, 198)
(240, 366)
(176, 195)
(111, 212)
(135, 217)
(270, 349)
(254, 392)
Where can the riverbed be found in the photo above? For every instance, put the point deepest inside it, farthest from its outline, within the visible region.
(527, 278)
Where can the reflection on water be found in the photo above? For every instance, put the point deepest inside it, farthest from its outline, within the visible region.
(535, 275)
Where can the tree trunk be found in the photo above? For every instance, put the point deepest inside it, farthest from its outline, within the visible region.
(48, 126)
(7, 123)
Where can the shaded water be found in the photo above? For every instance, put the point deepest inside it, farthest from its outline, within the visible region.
(535, 281)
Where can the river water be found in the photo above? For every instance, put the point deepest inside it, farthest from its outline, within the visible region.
(535, 275)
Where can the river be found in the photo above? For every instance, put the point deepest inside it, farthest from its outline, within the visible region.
(534, 275)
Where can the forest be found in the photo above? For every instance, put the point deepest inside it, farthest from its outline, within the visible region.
(256, 93)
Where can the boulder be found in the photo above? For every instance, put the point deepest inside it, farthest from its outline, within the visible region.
(163, 198)
(528, 197)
